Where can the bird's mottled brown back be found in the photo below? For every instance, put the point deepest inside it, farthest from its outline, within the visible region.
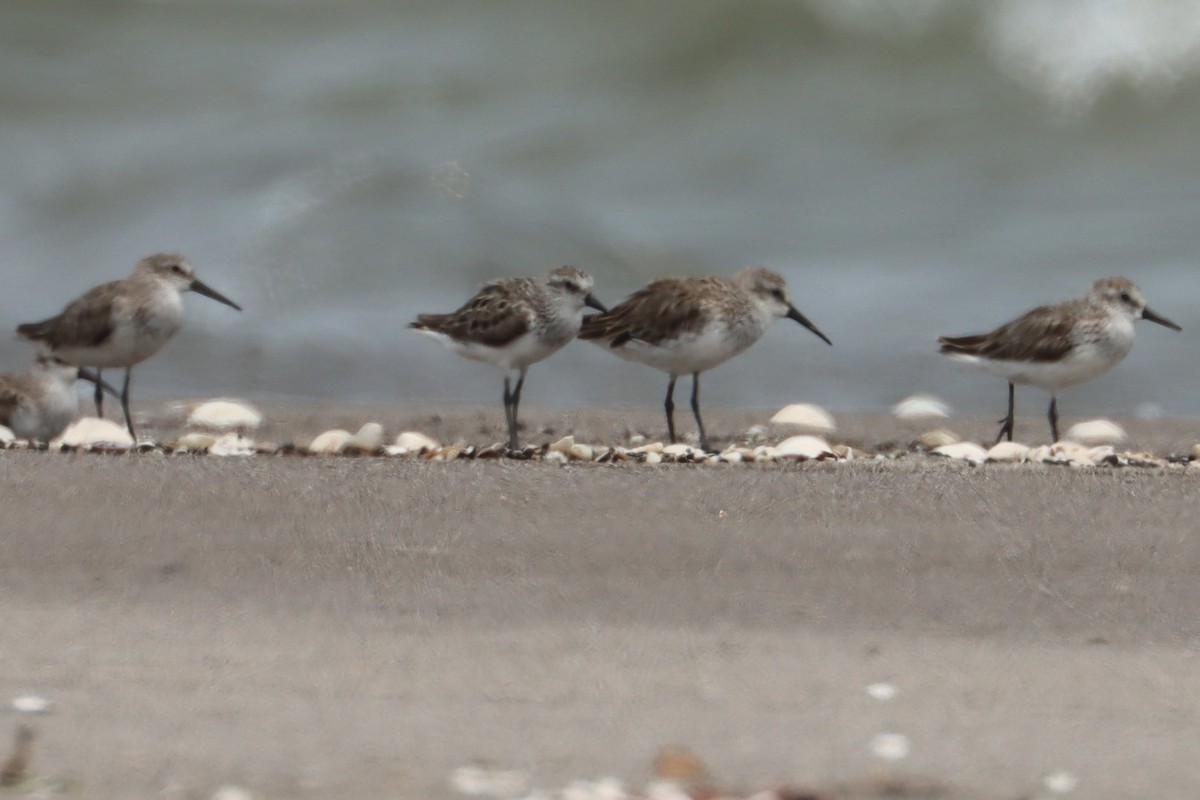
(666, 309)
(1043, 334)
(85, 322)
(499, 313)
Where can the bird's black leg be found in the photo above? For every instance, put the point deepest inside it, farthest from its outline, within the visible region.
(1006, 424)
(99, 396)
(696, 410)
(125, 403)
(508, 415)
(670, 407)
(516, 403)
(1054, 418)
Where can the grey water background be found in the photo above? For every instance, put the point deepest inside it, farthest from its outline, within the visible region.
(912, 167)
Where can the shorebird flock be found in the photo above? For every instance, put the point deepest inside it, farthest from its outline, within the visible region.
(680, 326)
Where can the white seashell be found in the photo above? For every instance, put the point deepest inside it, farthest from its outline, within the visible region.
(1039, 455)
(31, 704)
(931, 440)
(665, 790)
(413, 442)
(193, 443)
(679, 450)
(962, 451)
(920, 406)
(87, 431)
(225, 415)
(653, 457)
(1096, 431)
(369, 438)
(732, 457)
(1061, 782)
(1008, 451)
(805, 415)
(480, 781)
(803, 448)
(563, 445)
(330, 442)
(636, 440)
(755, 431)
(1100, 453)
(653, 447)
(881, 691)
(765, 452)
(6, 435)
(890, 746)
(232, 444)
(555, 457)
(581, 452)
(232, 793)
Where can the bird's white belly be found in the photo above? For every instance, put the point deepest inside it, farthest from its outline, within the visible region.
(697, 352)
(520, 353)
(1082, 364)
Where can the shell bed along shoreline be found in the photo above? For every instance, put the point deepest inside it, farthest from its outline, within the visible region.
(761, 444)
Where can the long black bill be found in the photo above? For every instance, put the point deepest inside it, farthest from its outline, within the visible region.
(200, 288)
(1166, 323)
(591, 302)
(803, 320)
(87, 375)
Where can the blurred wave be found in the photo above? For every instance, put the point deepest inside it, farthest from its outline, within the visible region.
(914, 168)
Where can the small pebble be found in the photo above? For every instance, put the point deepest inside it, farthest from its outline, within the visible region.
(881, 691)
(1060, 782)
(555, 457)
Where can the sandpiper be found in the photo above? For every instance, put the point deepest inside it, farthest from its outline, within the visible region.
(688, 325)
(122, 323)
(514, 323)
(1059, 345)
(40, 403)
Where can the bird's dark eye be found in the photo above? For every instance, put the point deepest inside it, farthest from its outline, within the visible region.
(177, 269)
(1125, 298)
(777, 294)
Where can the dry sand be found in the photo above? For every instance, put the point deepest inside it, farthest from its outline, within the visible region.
(354, 627)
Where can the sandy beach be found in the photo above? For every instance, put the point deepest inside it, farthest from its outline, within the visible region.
(361, 627)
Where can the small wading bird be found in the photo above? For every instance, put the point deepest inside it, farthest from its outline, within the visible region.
(40, 403)
(688, 325)
(122, 323)
(513, 323)
(1060, 345)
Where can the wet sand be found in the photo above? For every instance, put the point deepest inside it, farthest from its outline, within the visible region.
(359, 627)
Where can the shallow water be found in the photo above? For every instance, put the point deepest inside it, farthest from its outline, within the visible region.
(931, 167)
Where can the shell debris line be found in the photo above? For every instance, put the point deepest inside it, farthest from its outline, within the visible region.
(805, 416)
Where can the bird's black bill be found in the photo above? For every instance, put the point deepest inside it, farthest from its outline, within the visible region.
(803, 320)
(591, 302)
(200, 288)
(88, 375)
(1166, 323)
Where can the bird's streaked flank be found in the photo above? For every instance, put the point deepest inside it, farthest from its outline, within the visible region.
(124, 322)
(688, 325)
(514, 323)
(1059, 345)
(40, 403)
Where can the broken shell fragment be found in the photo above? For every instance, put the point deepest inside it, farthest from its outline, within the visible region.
(962, 451)
(330, 442)
(413, 442)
